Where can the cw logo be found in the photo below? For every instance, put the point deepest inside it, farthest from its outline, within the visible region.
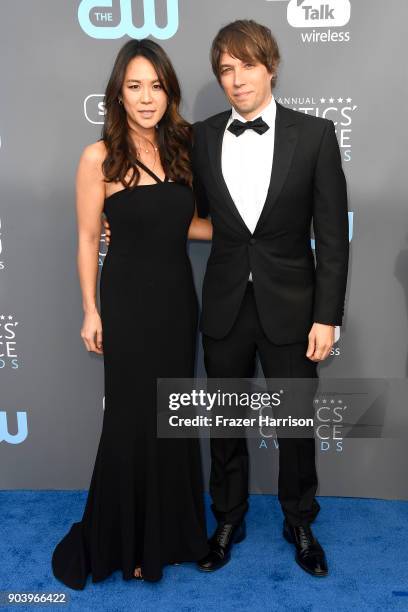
(22, 430)
(102, 29)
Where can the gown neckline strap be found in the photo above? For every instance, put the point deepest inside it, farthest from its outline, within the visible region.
(152, 174)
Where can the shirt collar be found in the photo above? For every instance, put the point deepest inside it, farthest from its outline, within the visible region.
(268, 114)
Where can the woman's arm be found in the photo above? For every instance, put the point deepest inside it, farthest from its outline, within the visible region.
(200, 229)
(90, 194)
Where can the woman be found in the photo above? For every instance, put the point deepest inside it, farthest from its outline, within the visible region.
(145, 504)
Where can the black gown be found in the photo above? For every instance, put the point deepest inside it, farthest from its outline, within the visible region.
(145, 503)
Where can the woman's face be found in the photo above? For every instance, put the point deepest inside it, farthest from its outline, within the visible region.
(144, 99)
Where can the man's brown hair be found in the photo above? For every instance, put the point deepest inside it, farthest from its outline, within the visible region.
(246, 40)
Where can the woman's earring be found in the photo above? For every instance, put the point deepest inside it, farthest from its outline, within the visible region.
(120, 101)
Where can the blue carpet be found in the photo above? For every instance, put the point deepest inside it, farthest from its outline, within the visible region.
(366, 543)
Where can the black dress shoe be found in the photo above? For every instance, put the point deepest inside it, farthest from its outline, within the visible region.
(220, 546)
(309, 554)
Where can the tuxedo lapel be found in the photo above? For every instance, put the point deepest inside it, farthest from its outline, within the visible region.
(286, 135)
(215, 133)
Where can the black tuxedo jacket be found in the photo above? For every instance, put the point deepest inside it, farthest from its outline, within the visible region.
(307, 184)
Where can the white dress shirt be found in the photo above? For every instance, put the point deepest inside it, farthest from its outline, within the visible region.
(246, 162)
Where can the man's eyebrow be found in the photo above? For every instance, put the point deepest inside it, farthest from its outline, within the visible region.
(248, 61)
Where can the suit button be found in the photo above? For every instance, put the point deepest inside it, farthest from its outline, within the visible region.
(252, 241)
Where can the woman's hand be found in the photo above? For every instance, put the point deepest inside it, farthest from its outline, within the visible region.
(107, 231)
(200, 229)
(91, 332)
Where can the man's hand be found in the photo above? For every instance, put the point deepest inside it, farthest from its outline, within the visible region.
(107, 231)
(321, 340)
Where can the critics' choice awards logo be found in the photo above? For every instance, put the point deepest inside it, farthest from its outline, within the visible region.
(329, 423)
(8, 343)
(329, 415)
(112, 19)
(314, 15)
(339, 109)
(18, 434)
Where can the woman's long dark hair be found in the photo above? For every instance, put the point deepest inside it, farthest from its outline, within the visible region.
(173, 132)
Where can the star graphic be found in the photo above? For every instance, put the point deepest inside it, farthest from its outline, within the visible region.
(348, 100)
(331, 100)
(339, 99)
(322, 100)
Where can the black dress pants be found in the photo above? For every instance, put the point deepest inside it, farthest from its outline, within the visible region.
(234, 356)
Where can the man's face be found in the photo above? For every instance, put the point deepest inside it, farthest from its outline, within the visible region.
(247, 85)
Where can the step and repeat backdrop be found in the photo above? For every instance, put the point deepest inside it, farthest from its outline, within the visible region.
(342, 60)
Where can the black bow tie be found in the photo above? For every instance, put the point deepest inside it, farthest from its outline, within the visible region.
(258, 125)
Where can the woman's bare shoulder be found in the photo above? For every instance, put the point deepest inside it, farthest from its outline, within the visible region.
(94, 152)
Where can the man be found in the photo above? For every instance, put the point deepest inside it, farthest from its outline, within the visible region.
(261, 291)
(264, 172)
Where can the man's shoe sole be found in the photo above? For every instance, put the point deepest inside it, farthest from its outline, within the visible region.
(219, 566)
